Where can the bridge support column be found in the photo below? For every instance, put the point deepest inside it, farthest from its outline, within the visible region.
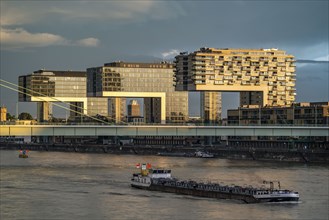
(44, 110)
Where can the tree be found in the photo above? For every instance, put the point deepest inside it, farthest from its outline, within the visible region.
(25, 116)
(10, 117)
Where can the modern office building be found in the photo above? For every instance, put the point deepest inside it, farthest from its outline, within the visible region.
(48, 86)
(151, 81)
(264, 77)
(314, 113)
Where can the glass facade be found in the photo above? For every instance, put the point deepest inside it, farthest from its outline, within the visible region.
(52, 84)
(141, 77)
(97, 106)
(211, 107)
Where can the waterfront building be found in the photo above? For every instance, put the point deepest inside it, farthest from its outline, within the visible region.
(48, 86)
(3, 114)
(314, 113)
(151, 81)
(264, 77)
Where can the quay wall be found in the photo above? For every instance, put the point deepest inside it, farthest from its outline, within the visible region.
(224, 152)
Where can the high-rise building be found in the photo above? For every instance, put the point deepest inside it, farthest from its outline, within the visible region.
(262, 76)
(151, 81)
(134, 109)
(48, 86)
(211, 107)
(134, 113)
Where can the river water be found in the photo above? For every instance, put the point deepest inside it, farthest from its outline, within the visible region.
(55, 185)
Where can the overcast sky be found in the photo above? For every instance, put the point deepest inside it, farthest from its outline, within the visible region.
(75, 35)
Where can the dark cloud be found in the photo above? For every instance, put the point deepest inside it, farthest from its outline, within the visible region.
(312, 61)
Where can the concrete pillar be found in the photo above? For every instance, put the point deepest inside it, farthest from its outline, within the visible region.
(43, 111)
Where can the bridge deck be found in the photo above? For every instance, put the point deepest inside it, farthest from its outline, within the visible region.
(101, 130)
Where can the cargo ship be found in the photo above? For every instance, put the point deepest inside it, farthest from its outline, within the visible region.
(161, 180)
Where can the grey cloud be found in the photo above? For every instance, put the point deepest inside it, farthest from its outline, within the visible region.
(312, 61)
(18, 38)
(299, 27)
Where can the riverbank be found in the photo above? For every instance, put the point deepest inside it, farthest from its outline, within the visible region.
(224, 152)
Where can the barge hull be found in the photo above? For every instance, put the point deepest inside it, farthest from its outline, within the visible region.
(199, 193)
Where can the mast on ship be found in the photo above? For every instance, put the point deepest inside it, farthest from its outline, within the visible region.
(144, 168)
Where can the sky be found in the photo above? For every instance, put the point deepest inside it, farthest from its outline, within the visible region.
(75, 35)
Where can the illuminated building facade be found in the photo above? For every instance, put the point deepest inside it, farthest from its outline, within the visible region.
(151, 81)
(262, 76)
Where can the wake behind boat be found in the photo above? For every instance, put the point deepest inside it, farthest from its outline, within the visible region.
(161, 180)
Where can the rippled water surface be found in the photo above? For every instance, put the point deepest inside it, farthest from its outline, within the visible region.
(53, 185)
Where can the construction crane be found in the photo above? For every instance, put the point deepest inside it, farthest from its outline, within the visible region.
(272, 184)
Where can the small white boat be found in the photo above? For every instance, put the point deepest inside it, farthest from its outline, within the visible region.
(203, 154)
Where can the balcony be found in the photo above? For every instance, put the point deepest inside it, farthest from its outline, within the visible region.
(245, 63)
(237, 58)
(236, 68)
(218, 82)
(245, 83)
(227, 58)
(200, 82)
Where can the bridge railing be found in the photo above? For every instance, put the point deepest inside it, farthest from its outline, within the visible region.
(157, 124)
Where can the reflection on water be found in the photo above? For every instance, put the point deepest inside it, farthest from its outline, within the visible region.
(52, 185)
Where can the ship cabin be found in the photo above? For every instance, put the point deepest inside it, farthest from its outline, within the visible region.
(159, 173)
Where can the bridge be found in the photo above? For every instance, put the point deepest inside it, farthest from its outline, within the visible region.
(160, 130)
